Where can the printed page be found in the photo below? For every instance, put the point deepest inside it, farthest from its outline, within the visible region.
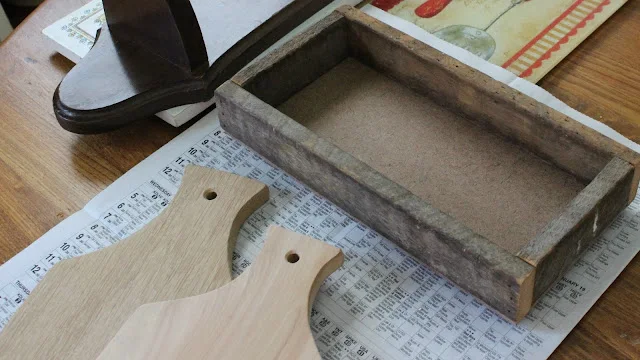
(382, 304)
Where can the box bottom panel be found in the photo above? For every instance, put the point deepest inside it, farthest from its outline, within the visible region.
(495, 187)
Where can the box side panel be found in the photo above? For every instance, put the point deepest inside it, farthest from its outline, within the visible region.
(298, 62)
(500, 279)
(560, 243)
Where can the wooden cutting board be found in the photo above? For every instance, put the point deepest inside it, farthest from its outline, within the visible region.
(82, 302)
(263, 314)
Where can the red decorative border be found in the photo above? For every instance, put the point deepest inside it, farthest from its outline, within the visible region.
(557, 45)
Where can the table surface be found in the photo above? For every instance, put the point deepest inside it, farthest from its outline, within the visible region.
(47, 174)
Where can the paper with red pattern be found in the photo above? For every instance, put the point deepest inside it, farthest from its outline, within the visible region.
(526, 37)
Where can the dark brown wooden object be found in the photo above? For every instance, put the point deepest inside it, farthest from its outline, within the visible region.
(151, 56)
(509, 282)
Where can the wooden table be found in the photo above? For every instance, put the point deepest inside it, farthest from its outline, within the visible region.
(47, 174)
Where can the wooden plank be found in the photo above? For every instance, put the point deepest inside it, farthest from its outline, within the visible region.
(502, 280)
(262, 314)
(186, 250)
(556, 247)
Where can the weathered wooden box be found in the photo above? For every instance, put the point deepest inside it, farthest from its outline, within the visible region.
(490, 188)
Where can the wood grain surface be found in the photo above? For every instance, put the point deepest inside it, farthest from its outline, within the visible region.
(262, 314)
(46, 173)
(601, 77)
(184, 251)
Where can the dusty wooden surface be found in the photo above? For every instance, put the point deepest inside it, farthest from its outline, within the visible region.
(435, 238)
(364, 180)
(46, 173)
(554, 250)
(514, 193)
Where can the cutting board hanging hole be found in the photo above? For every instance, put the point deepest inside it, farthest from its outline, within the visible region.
(209, 194)
(292, 257)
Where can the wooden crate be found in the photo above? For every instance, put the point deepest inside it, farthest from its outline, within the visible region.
(485, 185)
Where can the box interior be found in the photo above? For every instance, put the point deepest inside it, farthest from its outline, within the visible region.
(495, 187)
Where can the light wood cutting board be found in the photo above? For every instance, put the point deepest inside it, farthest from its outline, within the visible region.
(82, 302)
(263, 314)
